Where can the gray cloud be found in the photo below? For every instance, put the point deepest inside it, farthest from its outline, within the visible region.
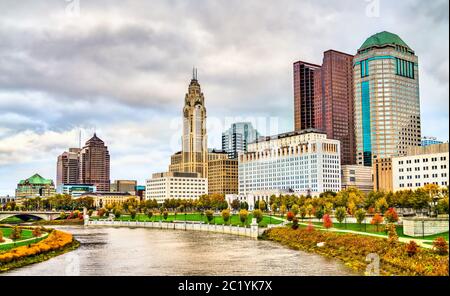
(122, 67)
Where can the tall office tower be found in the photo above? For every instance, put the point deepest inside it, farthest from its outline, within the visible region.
(305, 86)
(67, 167)
(386, 93)
(194, 141)
(94, 164)
(334, 104)
(237, 137)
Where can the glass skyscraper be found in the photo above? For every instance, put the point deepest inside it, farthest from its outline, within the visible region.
(236, 138)
(387, 106)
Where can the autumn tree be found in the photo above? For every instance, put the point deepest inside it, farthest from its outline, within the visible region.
(381, 205)
(303, 212)
(340, 214)
(290, 215)
(258, 215)
(243, 214)
(360, 215)
(295, 209)
(209, 215)
(376, 220)
(225, 215)
(391, 216)
(327, 223)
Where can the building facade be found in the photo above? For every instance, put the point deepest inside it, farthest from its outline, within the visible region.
(306, 78)
(386, 93)
(75, 190)
(95, 164)
(382, 174)
(124, 186)
(426, 141)
(103, 199)
(35, 186)
(223, 176)
(357, 176)
(421, 166)
(68, 166)
(175, 185)
(236, 138)
(6, 199)
(303, 162)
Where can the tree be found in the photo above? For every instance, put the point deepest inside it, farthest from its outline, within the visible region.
(290, 216)
(376, 220)
(295, 209)
(235, 204)
(117, 212)
(319, 213)
(283, 210)
(360, 215)
(243, 215)
(165, 215)
(340, 214)
(273, 207)
(209, 215)
(133, 213)
(1, 236)
(244, 205)
(262, 205)
(258, 215)
(295, 223)
(310, 210)
(62, 216)
(36, 232)
(225, 215)
(303, 212)
(411, 248)
(327, 223)
(16, 233)
(442, 206)
(381, 205)
(391, 216)
(149, 214)
(392, 233)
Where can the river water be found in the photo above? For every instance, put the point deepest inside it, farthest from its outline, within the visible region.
(141, 251)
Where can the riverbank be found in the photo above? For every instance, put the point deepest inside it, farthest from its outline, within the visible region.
(353, 249)
(57, 243)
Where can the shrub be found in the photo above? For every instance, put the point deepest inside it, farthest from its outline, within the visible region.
(149, 214)
(165, 215)
(340, 214)
(225, 215)
(411, 248)
(310, 227)
(295, 223)
(295, 210)
(62, 215)
(391, 216)
(243, 215)
(303, 211)
(258, 215)
(290, 216)
(376, 220)
(16, 233)
(117, 213)
(440, 246)
(392, 233)
(37, 232)
(327, 223)
(262, 205)
(209, 215)
(133, 213)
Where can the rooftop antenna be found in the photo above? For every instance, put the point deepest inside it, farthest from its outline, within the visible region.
(194, 73)
(79, 140)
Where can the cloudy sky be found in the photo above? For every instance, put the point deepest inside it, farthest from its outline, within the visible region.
(121, 68)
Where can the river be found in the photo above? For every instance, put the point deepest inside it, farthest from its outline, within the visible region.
(139, 251)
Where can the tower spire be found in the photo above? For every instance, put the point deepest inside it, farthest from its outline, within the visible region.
(194, 73)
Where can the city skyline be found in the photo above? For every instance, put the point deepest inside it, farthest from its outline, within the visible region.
(129, 119)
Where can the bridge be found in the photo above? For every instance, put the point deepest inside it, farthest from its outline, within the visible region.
(26, 215)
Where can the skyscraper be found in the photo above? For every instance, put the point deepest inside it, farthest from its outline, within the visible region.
(336, 103)
(237, 137)
(67, 167)
(305, 79)
(386, 93)
(94, 164)
(194, 141)
(323, 97)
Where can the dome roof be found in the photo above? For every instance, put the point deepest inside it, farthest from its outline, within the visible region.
(383, 38)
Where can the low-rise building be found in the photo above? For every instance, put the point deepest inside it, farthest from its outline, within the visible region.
(304, 162)
(6, 199)
(175, 185)
(124, 186)
(357, 176)
(76, 190)
(35, 186)
(421, 166)
(103, 199)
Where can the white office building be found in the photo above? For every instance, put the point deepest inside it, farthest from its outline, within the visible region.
(303, 162)
(175, 185)
(421, 166)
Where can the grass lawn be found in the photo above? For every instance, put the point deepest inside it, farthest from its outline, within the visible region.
(26, 234)
(234, 219)
(12, 220)
(369, 228)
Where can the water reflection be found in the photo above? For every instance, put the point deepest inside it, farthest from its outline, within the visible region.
(137, 251)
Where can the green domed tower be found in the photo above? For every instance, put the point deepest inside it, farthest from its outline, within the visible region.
(387, 105)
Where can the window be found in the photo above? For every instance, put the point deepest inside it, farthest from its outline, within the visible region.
(364, 68)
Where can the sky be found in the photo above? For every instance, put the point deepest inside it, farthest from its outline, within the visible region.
(121, 69)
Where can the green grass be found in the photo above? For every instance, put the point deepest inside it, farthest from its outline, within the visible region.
(234, 219)
(26, 234)
(369, 228)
